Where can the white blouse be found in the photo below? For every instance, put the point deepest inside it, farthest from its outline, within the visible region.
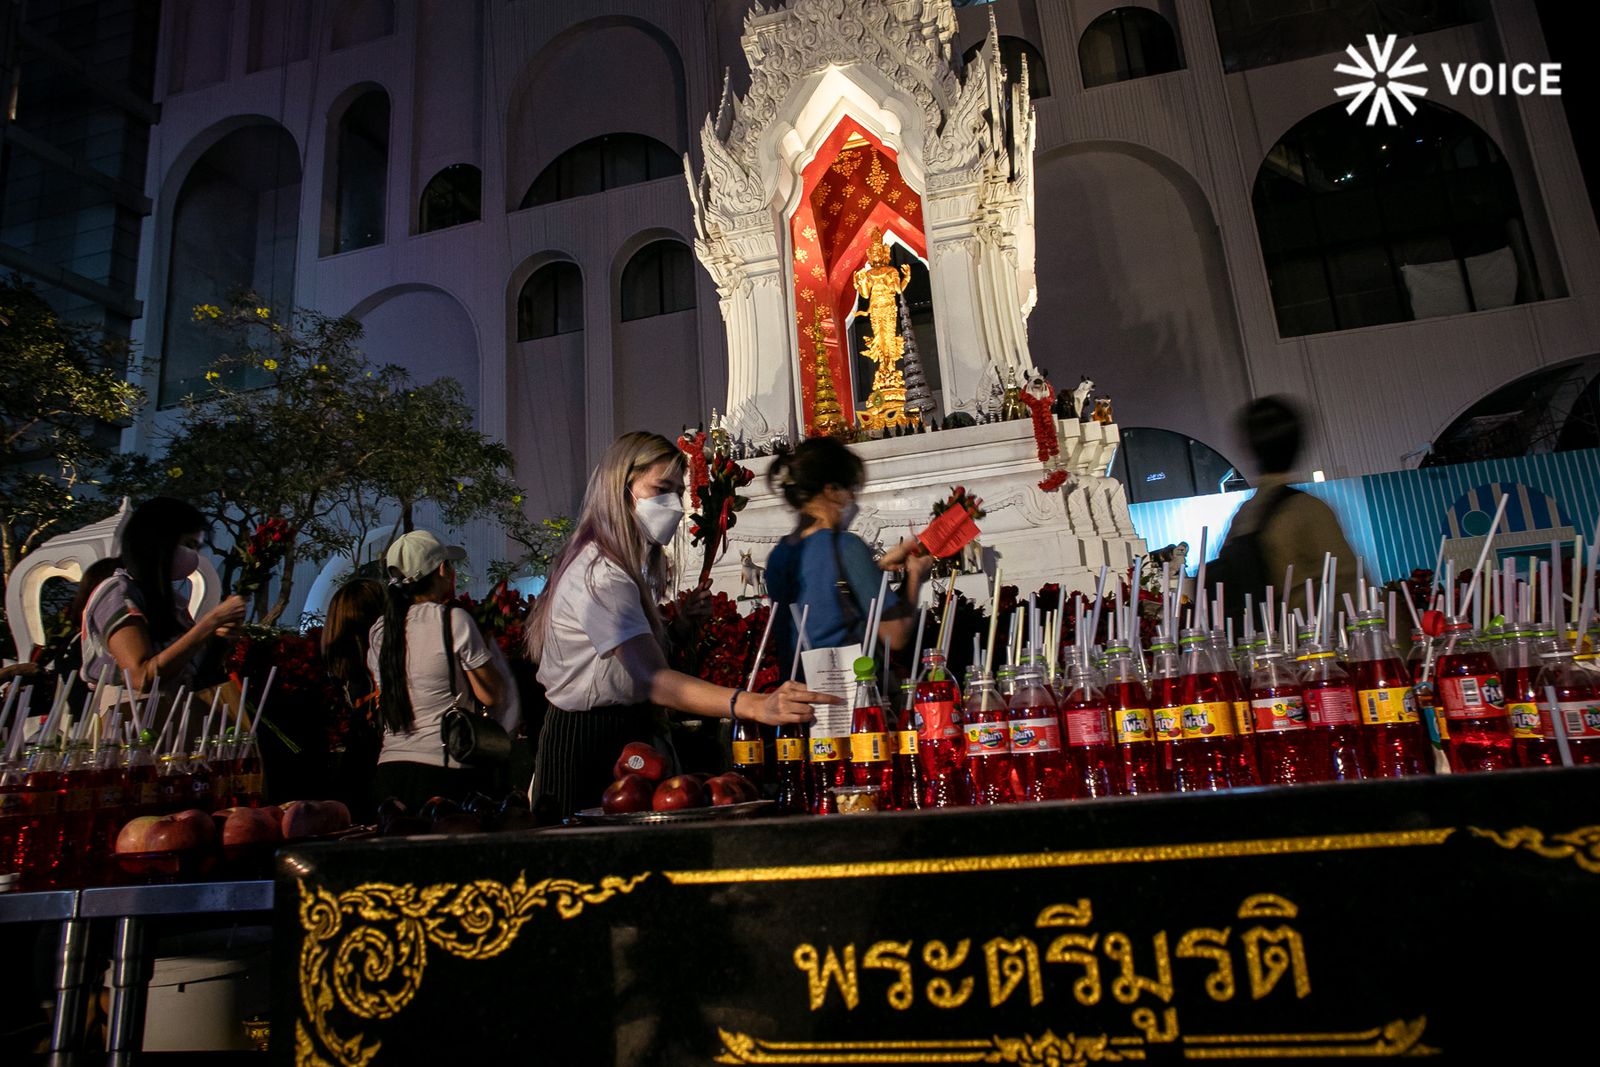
(595, 610)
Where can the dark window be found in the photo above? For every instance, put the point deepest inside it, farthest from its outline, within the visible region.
(1251, 33)
(362, 172)
(1161, 465)
(658, 280)
(1362, 225)
(608, 162)
(451, 198)
(551, 302)
(1012, 52)
(1127, 43)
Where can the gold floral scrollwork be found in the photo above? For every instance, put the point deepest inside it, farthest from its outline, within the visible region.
(1581, 846)
(1049, 1050)
(365, 949)
(1398, 1038)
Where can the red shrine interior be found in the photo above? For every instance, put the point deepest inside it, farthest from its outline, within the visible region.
(853, 185)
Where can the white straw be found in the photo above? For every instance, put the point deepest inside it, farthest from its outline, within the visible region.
(803, 614)
(1488, 542)
(994, 621)
(1200, 580)
(211, 718)
(1361, 584)
(1558, 721)
(1100, 596)
(20, 726)
(1389, 616)
(1577, 581)
(761, 649)
(5, 711)
(875, 617)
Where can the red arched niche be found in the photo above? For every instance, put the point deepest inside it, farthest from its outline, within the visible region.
(852, 186)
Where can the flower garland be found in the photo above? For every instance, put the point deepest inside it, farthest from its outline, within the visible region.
(258, 557)
(719, 503)
(1044, 435)
(694, 447)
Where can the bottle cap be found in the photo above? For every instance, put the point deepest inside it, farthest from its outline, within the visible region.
(866, 668)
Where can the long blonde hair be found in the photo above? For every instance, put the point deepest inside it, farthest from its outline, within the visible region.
(607, 522)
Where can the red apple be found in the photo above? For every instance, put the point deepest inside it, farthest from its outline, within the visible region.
(639, 757)
(172, 834)
(631, 792)
(204, 827)
(678, 793)
(250, 826)
(337, 814)
(132, 837)
(724, 791)
(746, 786)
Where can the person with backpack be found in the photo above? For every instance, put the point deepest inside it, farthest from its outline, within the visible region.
(1279, 525)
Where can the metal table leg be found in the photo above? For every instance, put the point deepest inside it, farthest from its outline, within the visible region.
(130, 985)
(72, 952)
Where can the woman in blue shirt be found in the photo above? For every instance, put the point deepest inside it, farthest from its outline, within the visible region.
(824, 566)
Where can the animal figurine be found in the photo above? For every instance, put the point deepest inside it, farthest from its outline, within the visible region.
(752, 576)
(1080, 398)
(1102, 411)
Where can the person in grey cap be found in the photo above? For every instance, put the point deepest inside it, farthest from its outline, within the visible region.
(435, 650)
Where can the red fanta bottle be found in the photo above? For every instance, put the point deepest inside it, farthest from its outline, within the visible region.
(1391, 723)
(1094, 758)
(1166, 711)
(1290, 751)
(1128, 703)
(988, 742)
(1038, 765)
(1533, 735)
(1207, 757)
(1238, 691)
(1577, 691)
(941, 742)
(1331, 705)
(1469, 688)
(871, 755)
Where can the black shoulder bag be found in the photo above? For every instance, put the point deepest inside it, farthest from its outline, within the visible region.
(470, 736)
(849, 610)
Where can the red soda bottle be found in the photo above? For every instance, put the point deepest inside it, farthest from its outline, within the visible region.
(1290, 751)
(988, 742)
(1331, 704)
(79, 855)
(1207, 757)
(907, 752)
(941, 742)
(142, 783)
(749, 752)
(1038, 765)
(247, 782)
(871, 755)
(110, 806)
(39, 847)
(1577, 690)
(172, 778)
(1533, 735)
(1129, 705)
(13, 818)
(790, 749)
(1245, 773)
(1096, 759)
(830, 735)
(1391, 723)
(1469, 688)
(202, 789)
(1166, 711)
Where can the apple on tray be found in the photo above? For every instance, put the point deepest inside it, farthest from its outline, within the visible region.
(628, 794)
(640, 757)
(679, 793)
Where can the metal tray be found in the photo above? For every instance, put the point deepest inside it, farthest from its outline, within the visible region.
(748, 810)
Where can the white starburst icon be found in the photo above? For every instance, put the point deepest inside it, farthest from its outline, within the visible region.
(1370, 72)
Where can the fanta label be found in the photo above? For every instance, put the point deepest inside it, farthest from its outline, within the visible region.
(826, 750)
(1168, 723)
(1382, 707)
(1212, 719)
(1035, 735)
(1133, 724)
(1580, 717)
(869, 748)
(1279, 715)
(748, 754)
(791, 750)
(988, 739)
(1477, 696)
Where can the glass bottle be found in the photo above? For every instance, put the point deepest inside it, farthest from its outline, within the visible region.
(1469, 688)
(1207, 757)
(1095, 760)
(1128, 702)
(941, 742)
(748, 751)
(1577, 691)
(1290, 751)
(1037, 763)
(1533, 737)
(1166, 711)
(1238, 691)
(1331, 705)
(1391, 723)
(988, 742)
(79, 855)
(871, 756)
(40, 851)
(907, 752)
(790, 749)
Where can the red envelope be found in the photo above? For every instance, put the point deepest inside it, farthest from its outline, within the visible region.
(948, 534)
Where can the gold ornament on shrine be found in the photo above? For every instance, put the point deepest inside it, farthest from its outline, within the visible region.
(881, 284)
(827, 420)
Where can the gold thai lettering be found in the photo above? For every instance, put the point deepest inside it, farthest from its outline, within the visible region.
(1074, 948)
(1269, 954)
(1157, 1028)
(1008, 962)
(936, 955)
(893, 956)
(1206, 943)
(818, 976)
(1127, 988)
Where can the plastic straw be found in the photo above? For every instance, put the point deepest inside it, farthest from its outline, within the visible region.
(802, 615)
(1389, 616)
(1488, 542)
(1558, 721)
(1361, 584)
(1349, 608)
(5, 712)
(944, 623)
(875, 616)
(761, 649)
(1100, 596)
(916, 646)
(240, 718)
(994, 620)
(266, 691)
(1200, 579)
(211, 718)
(1577, 580)
(20, 727)
(1438, 560)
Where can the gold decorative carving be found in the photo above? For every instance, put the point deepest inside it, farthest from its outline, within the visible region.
(365, 950)
(1581, 846)
(877, 177)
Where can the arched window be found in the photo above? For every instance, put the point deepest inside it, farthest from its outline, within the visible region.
(234, 227)
(1255, 34)
(1157, 464)
(451, 197)
(658, 280)
(551, 302)
(1127, 43)
(1012, 52)
(602, 163)
(1554, 409)
(361, 173)
(1362, 225)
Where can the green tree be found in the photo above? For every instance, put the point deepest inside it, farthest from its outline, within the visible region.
(63, 386)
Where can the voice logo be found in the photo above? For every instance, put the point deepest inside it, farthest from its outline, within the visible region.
(1380, 75)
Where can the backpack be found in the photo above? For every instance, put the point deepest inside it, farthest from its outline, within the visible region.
(1242, 562)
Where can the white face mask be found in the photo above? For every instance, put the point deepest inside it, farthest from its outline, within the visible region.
(847, 514)
(185, 561)
(659, 516)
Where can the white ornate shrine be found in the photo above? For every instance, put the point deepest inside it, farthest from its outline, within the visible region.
(859, 117)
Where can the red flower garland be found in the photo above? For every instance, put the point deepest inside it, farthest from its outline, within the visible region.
(1044, 436)
(694, 447)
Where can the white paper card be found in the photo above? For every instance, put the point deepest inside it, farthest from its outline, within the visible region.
(832, 671)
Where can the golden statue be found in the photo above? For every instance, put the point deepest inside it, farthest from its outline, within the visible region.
(882, 285)
(826, 418)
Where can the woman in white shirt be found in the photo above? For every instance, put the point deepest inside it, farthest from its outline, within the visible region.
(421, 672)
(596, 631)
